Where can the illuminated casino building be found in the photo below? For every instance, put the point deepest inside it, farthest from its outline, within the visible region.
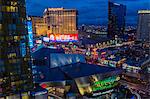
(39, 28)
(61, 24)
(63, 74)
(15, 72)
(116, 19)
(143, 30)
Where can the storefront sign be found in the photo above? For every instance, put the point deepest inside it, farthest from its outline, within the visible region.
(63, 37)
(105, 84)
(39, 93)
(102, 93)
(38, 41)
(46, 39)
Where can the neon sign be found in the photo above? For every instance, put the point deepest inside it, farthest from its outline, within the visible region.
(30, 34)
(63, 37)
(105, 84)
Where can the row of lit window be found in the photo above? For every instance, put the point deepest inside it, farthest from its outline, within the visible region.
(16, 83)
(9, 9)
(13, 61)
(62, 21)
(61, 14)
(38, 21)
(12, 55)
(15, 38)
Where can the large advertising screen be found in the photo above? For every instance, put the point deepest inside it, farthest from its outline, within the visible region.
(94, 86)
(63, 37)
(105, 83)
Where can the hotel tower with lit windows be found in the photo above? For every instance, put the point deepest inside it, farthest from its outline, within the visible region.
(61, 23)
(15, 72)
(143, 29)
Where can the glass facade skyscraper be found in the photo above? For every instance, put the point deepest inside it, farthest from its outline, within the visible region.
(143, 30)
(15, 72)
(116, 19)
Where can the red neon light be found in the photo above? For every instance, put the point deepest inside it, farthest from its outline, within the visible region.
(44, 85)
(63, 37)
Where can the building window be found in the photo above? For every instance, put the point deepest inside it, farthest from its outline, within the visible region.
(39, 62)
(9, 9)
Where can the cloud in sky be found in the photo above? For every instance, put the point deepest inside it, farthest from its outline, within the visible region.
(90, 11)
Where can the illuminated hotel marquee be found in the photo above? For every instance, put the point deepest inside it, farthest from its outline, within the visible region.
(63, 37)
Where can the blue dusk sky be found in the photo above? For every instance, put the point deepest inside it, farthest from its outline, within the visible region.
(90, 11)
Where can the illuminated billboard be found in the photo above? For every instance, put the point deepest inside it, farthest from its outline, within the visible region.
(105, 84)
(63, 37)
(92, 86)
(30, 33)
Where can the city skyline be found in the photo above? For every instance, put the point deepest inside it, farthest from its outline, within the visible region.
(90, 12)
(46, 53)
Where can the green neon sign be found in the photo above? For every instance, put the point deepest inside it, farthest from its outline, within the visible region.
(105, 84)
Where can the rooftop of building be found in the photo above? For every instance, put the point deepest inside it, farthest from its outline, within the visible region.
(58, 9)
(116, 4)
(83, 69)
(135, 55)
(144, 11)
(76, 70)
(45, 50)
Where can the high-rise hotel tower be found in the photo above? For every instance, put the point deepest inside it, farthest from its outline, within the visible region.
(61, 23)
(143, 30)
